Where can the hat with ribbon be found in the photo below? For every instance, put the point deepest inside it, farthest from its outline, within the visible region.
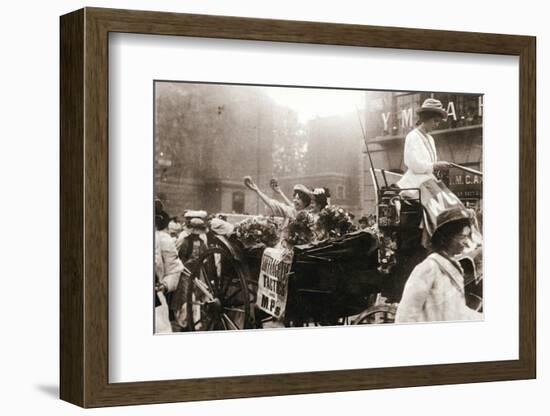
(450, 215)
(197, 223)
(174, 227)
(195, 214)
(302, 188)
(431, 105)
(221, 227)
(305, 194)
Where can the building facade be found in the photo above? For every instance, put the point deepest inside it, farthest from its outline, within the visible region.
(205, 144)
(208, 137)
(390, 116)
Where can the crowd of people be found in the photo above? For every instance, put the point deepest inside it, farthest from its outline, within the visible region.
(178, 245)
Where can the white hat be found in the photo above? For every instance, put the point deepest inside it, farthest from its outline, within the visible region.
(174, 227)
(195, 214)
(431, 105)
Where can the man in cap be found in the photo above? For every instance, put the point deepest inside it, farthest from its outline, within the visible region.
(188, 216)
(435, 289)
(192, 246)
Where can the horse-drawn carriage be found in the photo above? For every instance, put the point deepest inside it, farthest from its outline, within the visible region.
(328, 283)
(357, 278)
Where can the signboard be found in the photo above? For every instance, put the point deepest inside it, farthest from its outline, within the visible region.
(405, 115)
(273, 281)
(465, 185)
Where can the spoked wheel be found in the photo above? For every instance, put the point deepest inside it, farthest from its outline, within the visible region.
(217, 295)
(474, 302)
(376, 314)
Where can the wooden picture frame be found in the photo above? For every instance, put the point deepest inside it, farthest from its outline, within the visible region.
(84, 207)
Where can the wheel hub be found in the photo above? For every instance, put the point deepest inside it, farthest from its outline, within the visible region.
(214, 306)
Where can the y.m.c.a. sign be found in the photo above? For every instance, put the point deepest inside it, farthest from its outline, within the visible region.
(460, 112)
(465, 185)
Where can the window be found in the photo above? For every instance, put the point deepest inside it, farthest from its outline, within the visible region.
(237, 204)
(340, 192)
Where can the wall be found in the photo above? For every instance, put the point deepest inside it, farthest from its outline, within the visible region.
(205, 144)
(29, 162)
(390, 116)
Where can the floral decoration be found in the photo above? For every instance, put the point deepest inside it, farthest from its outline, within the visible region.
(258, 230)
(334, 221)
(300, 230)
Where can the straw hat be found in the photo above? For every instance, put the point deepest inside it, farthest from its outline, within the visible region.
(195, 214)
(197, 223)
(450, 215)
(302, 188)
(431, 105)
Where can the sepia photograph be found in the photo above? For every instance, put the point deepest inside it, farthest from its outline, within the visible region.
(297, 206)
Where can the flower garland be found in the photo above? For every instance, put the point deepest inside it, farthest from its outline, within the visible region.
(258, 230)
(334, 222)
(300, 230)
(387, 252)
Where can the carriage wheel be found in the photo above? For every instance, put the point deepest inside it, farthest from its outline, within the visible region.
(376, 314)
(474, 302)
(217, 293)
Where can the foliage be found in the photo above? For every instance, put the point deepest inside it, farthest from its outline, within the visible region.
(289, 143)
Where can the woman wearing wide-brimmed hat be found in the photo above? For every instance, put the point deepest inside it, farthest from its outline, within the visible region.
(420, 154)
(420, 157)
(435, 289)
(301, 200)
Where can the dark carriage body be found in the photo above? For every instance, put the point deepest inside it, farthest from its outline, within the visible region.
(357, 278)
(333, 279)
(399, 217)
(329, 280)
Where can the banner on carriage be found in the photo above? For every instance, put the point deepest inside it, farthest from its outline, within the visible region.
(273, 281)
(436, 197)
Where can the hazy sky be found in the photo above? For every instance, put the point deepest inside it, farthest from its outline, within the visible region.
(312, 102)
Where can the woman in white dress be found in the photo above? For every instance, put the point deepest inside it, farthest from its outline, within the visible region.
(435, 289)
(420, 154)
(420, 157)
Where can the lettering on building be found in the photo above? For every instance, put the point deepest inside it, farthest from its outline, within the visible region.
(390, 120)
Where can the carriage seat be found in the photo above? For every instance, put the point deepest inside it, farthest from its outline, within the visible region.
(395, 209)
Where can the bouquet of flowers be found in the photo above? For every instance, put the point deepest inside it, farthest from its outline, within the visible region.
(300, 230)
(386, 253)
(256, 231)
(334, 221)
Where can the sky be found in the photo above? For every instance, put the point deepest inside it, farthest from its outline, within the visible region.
(309, 103)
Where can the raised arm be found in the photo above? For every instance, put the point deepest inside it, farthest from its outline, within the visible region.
(276, 188)
(277, 208)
